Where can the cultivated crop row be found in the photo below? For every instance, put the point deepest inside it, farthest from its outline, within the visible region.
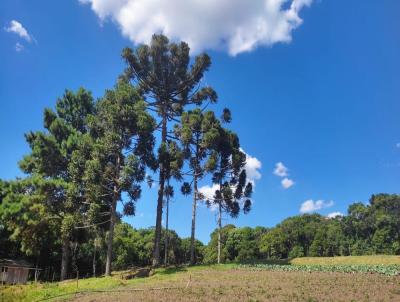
(388, 270)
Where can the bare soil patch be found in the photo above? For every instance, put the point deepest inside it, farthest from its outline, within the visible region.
(245, 285)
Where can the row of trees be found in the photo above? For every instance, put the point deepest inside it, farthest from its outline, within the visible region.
(86, 168)
(366, 229)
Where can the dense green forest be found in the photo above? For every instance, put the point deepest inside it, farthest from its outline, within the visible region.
(366, 230)
(86, 169)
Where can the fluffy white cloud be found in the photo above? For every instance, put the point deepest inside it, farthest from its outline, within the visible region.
(252, 167)
(280, 170)
(287, 183)
(233, 25)
(310, 205)
(208, 191)
(17, 28)
(334, 214)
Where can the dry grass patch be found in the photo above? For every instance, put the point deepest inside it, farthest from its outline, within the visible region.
(245, 285)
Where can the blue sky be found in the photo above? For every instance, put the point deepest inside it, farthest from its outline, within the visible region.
(325, 104)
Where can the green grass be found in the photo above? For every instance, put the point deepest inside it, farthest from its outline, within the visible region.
(62, 290)
(36, 292)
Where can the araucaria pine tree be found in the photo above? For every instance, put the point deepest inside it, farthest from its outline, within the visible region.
(234, 191)
(122, 134)
(168, 82)
(199, 134)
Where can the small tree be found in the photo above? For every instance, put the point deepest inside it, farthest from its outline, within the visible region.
(161, 71)
(122, 147)
(234, 191)
(199, 134)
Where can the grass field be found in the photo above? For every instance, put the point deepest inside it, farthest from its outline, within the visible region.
(228, 283)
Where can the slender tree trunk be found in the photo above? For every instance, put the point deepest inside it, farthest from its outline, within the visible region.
(157, 235)
(94, 259)
(219, 231)
(113, 215)
(166, 233)
(111, 233)
(192, 237)
(65, 258)
(110, 237)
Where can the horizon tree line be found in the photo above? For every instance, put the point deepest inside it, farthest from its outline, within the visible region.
(366, 229)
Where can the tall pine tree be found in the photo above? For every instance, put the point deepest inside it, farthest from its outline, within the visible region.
(199, 134)
(164, 75)
(233, 190)
(122, 139)
(49, 163)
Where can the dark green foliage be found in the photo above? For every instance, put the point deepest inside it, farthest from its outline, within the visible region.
(164, 76)
(211, 251)
(368, 229)
(9, 247)
(227, 164)
(47, 202)
(198, 247)
(307, 235)
(26, 227)
(199, 134)
(121, 136)
(134, 247)
(240, 244)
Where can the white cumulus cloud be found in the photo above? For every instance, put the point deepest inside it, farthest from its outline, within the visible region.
(334, 214)
(208, 191)
(280, 170)
(17, 28)
(310, 205)
(252, 167)
(233, 25)
(287, 183)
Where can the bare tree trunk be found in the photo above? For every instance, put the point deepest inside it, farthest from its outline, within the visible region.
(65, 258)
(219, 232)
(113, 210)
(110, 238)
(192, 237)
(94, 259)
(166, 233)
(157, 235)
